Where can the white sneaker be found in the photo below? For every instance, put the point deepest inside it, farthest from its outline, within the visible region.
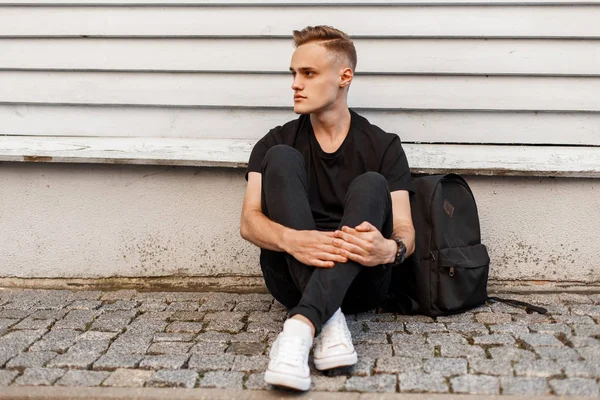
(289, 357)
(334, 346)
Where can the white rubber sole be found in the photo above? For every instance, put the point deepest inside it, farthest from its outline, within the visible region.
(286, 380)
(336, 361)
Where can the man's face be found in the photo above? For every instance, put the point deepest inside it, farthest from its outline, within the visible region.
(316, 72)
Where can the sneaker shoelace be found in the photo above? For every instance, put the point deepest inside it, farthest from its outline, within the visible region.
(291, 350)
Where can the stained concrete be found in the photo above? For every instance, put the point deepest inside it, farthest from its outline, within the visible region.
(106, 221)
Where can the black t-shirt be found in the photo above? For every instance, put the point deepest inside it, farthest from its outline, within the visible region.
(365, 148)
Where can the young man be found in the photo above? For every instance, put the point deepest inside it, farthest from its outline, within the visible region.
(327, 202)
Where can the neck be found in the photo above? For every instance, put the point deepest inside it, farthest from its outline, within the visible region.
(332, 124)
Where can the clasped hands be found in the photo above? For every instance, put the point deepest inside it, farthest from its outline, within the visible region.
(363, 244)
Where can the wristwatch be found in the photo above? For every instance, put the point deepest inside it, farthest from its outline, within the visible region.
(401, 252)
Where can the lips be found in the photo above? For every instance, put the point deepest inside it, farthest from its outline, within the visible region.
(298, 97)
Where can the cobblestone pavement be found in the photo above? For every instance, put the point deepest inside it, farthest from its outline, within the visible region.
(220, 340)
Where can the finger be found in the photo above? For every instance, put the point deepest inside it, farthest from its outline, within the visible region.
(322, 263)
(365, 226)
(327, 233)
(357, 258)
(351, 238)
(347, 248)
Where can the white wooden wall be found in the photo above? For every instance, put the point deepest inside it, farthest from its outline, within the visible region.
(433, 71)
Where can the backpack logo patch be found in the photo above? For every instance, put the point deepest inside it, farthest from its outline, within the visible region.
(448, 208)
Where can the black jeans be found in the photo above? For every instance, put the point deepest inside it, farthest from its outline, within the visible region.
(317, 293)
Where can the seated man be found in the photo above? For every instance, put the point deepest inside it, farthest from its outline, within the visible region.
(327, 202)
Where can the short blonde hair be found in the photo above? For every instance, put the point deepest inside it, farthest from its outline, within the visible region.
(329, 37)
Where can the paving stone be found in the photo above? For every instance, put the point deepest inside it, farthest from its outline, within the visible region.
(128, 378)
(369, 338)
(416, 381)
(574, 319)
(257, 382)
(266, 316)
(216, 305)
(84, 305)
(189, 316)
(396, 365)
(364, 367)
(586, 309)
(437, 339)
(15, 314)
(164, 361)
(85, 295)
(277, 307)
(463, 317)
(475, 384)
(557, 353)
(152, 306)
(152, 296)
(505, 308)
(510, 354)
(534, 318)
(155, 315)
(204, 362)
(248, 337)
(126, 294)
(445, 366)
(30, 323)
(82, 378)
(110, 325)
(537, 368)
(420, 327)
(48, 314)
(490, 367)
(406, 339)
(77, 360)
(173, 378)
(550, 329)
(76, 319)
(198, 297)
(586, 330)
(262, 306)
(574, 298)
(183, 306)
(467, 328)
(461, 350)
(500, 339)
(524, 386)
(185, 327)
(120, 305)
(575, 387)
(249, 349)
(39, 376)
(169, 348)
(383, 327)
(377, 383)
(96, 335)
(113, 361)
(214, 337)
(414, 318)
(173, 337)
(513, 328)
(326, 383)
(582, 369)
(250, 363)
(540, 339)
(131, 344)
(35, 359)
(493, 318)
(414, 350)
(209, 348)
(372, 316)
(90, 346)
(267, 327)
(373, 350)
(582, 341)
(6, 377)
(589, 353)
(223, 380)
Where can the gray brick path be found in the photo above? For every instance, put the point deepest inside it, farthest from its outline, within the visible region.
(221, 340)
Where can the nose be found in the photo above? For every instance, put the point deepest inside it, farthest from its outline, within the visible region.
(296, 83)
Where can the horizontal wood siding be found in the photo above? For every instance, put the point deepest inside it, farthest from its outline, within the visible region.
(438, 71)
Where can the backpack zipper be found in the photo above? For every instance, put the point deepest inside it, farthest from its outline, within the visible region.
(451, 272)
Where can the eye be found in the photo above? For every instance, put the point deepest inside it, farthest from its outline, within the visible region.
(309, 73)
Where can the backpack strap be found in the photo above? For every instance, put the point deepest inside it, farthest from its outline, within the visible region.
(519, 304)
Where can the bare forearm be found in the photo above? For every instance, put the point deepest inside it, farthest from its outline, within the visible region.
(263, 232)
(407, 234)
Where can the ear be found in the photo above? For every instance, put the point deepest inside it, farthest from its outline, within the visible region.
(346, 76)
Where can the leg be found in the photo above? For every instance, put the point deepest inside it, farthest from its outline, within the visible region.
(368, 199)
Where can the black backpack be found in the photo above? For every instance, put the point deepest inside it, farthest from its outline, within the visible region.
(448, 272)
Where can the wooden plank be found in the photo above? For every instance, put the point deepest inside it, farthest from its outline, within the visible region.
(244, 90)
(412, 126)
(423, 158)
(164, 3)
(414, 56)
(272, 21)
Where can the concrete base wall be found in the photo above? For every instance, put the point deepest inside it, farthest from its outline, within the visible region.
(106, 221)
